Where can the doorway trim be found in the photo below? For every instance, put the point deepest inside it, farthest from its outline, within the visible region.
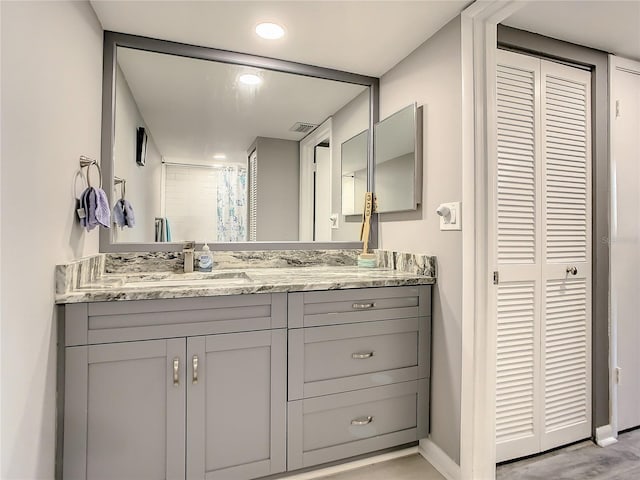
(307, 155)
(479, 44)
(616, 64)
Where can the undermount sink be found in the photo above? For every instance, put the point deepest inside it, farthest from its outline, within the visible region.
(204, 280)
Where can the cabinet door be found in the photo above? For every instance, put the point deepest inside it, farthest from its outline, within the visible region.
(236, 407)
(124, 411)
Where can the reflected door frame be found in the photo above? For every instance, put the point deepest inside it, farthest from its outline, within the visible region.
(307, 159)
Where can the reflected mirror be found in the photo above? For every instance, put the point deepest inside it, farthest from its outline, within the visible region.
(398, 161)
(354, 173)
(223, 150)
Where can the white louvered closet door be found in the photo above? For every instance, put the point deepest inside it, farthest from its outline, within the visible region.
(517, 256)
(566, 308)
(533, 238)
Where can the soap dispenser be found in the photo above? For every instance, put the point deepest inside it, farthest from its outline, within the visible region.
(205, 260)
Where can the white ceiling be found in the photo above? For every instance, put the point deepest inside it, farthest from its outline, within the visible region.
(196, 108)
(612, 26)
(365, 37)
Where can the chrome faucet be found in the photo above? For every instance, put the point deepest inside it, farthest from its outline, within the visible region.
(188, 249)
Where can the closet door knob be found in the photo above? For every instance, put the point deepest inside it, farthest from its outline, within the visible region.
(572, 270)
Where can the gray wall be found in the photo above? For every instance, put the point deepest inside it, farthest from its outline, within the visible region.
(347, 122)
(51, 96)
(432, 76)
(143, 182)
(598, 62)
(278, 189)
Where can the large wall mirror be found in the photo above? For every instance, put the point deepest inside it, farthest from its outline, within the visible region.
(227, 155)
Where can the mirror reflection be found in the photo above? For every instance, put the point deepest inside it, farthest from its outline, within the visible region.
(354, 173)
(222, 157)
(398, 162)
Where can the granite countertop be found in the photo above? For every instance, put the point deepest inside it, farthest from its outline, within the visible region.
(145, 276)
(145, 286)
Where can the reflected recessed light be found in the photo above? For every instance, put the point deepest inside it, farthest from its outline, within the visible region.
(270, 31)
(250, 79)
(219, 156)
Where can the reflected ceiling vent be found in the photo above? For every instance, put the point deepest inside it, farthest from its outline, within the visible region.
(303, 127)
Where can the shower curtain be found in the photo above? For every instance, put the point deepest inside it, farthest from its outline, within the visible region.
(232, 204)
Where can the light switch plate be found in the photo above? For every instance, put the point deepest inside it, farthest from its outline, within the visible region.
(454, 221)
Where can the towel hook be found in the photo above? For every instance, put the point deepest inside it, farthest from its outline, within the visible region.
(87, 162)
(123, 186)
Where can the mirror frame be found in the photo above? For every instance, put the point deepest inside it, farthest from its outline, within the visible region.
(112, 40)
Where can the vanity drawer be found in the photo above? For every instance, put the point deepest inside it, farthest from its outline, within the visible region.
(105, 322)
(310, 309)
(339, 426)
(340, 358)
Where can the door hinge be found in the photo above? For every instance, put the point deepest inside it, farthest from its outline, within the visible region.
(617, 108)
(618, 376)
(496, 278)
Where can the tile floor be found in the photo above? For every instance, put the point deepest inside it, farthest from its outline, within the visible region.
(411, 467)
(582, 461)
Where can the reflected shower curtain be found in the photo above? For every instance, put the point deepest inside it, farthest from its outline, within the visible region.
(232, 204)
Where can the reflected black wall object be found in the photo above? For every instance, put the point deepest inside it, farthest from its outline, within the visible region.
(141, 146)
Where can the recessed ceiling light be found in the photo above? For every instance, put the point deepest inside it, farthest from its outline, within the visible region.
(219, 156)
(270, 31)
(250, 79)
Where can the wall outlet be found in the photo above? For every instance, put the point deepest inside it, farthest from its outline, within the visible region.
(452, 220)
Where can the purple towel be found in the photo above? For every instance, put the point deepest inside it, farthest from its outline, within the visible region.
(118, 214)
(91, 209)
(96, 208)
(123, 214)
(129, 216)
(83, 205)
(102, 210)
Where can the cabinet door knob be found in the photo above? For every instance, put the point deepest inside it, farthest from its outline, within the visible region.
(361, 355)
(572, 270)
(194, 362)
(362, 420)
(363, 306)
(176, 371)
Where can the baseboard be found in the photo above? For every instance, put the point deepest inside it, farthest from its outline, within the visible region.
(605, 436)
(440, 460)
(323, 472)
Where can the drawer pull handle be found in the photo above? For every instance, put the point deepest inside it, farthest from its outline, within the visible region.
(361, 355)
(176, 372)
(362, 420)
(363, 306)
(194, 378)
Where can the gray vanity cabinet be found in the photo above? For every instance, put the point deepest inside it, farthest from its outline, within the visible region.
(242, 386)
(358, 372)
(181, 403)
(124, 411)
(235, 419)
